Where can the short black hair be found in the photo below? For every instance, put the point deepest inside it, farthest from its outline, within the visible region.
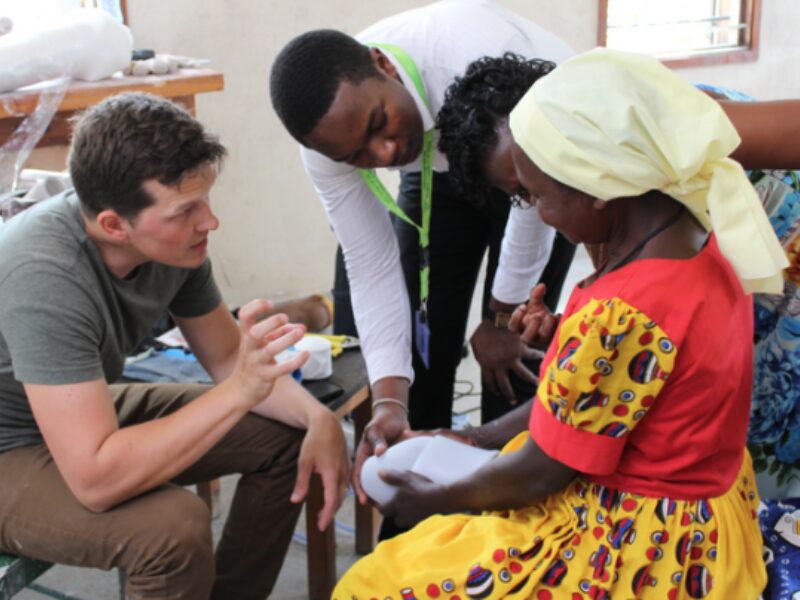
(130, 138)
(306, 75)
(474, 106)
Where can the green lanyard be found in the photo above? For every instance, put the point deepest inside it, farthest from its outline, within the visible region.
(377, 187)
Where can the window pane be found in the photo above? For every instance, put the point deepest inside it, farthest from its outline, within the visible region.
(677, 27)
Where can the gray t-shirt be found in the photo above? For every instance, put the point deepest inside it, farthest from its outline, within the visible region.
(65, 318)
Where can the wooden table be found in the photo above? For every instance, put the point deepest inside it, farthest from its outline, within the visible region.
(181, 86)
(349, 373)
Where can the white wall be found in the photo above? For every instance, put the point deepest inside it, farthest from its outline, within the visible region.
(274, 240)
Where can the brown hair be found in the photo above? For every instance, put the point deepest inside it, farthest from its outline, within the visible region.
(131, 138)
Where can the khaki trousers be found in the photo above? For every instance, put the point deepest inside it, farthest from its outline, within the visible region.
(162, 539)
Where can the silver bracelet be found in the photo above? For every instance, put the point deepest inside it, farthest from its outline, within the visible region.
(400, 403)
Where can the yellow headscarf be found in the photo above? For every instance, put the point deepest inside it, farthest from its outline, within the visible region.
(616, 124)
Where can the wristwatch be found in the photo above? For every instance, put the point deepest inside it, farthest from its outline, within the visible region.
(501, 319)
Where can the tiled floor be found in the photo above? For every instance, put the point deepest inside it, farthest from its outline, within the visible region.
(91, 584)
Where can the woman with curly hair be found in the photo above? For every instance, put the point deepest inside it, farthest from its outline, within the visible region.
(474, 106)
(469, 122)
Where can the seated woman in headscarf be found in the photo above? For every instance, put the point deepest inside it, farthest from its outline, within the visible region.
(474, 135)
(633, 479)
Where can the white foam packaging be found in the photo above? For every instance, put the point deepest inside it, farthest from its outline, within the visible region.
(439, 458)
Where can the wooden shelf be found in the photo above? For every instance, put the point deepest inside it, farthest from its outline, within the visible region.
(181, 87)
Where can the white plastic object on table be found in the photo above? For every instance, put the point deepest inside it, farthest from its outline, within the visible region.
(162, 64)
(320, 362)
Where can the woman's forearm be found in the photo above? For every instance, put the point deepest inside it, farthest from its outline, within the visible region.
(513, 480)
(766, 129)
(495, 434)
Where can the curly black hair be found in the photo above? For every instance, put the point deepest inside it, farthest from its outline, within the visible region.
(474, 106)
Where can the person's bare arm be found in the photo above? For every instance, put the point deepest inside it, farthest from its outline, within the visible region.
(513, 480)
(215, 340)
(324, 449)
(389, 424)
(496, 433)
(104, 464)
(767, 130)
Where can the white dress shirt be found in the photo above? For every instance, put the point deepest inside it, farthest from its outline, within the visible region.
(442, 39)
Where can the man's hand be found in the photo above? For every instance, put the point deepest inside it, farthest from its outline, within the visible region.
(533, 321)
(256, 370)
(389, 425)
(499, 351)
(324, 451)
(416, 498)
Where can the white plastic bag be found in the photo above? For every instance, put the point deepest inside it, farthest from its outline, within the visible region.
(87, 44)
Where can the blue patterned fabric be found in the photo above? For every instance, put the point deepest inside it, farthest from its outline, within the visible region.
(780, 526)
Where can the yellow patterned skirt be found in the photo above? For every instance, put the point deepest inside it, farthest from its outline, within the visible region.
(584, 543)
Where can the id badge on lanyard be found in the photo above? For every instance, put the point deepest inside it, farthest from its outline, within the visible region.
(422, 332)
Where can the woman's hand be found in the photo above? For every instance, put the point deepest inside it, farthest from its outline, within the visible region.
(533, 321)
(417, 497)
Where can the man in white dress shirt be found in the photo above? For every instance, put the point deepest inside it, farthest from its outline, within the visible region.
(363, 103)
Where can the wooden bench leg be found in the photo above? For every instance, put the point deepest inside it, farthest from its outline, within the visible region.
(321, 546)
(209, 492)
(366, 516)
(122, 579)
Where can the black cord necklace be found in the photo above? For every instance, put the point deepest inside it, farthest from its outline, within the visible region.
(643, 242)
